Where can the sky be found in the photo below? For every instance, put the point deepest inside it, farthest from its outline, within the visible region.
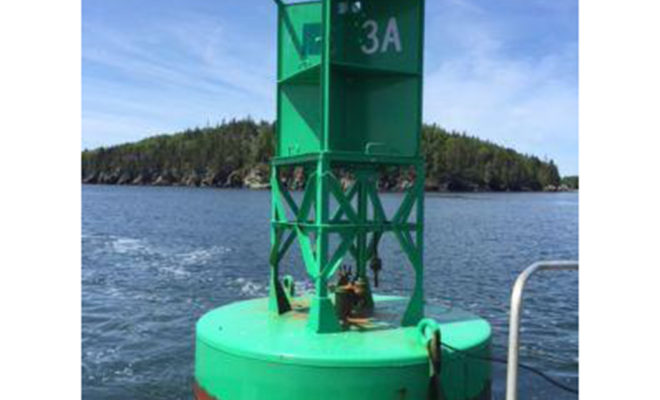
(505, 71)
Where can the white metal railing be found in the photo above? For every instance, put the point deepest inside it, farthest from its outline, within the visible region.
(514, 318)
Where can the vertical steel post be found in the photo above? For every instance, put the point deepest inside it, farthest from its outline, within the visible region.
(274, 245)
(514, 319)
(362, 217)
(322, 317)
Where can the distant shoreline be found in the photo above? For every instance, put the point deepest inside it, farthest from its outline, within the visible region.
(560, 190)
(237, 153)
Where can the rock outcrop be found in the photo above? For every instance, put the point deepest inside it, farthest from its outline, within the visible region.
(257, 177)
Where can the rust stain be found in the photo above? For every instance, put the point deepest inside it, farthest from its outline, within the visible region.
(300, 303)
(298, 315)
(201, 394)
(359, 321)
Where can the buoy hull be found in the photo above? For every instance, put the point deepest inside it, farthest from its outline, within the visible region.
(244, 353)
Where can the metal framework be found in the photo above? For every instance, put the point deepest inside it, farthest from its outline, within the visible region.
(312, 222)
(325, 64)
(514, 318)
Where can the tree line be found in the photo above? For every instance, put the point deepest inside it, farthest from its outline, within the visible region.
(225, 154)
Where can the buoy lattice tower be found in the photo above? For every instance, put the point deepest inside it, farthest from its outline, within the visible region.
(349, 106)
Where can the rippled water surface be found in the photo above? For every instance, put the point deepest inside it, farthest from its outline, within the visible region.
(155, 259)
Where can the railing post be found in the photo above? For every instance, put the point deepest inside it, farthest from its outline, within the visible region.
(514, 319)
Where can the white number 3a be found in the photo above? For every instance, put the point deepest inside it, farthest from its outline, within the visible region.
(391, 38)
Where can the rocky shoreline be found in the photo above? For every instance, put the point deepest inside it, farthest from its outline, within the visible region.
(257, 178)
(253, 178)
(236, 154)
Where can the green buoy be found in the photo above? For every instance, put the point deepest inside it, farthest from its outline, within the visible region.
(349, 106)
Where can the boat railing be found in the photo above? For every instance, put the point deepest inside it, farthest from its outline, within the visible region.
(514, 318)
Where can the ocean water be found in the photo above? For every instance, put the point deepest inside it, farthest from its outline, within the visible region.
(155, 259)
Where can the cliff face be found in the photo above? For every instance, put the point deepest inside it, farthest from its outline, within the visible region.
(236, 154)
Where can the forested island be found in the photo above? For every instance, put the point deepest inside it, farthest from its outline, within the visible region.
(236, 154)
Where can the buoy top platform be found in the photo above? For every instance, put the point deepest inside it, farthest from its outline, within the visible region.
(373, 342)
(349, 107)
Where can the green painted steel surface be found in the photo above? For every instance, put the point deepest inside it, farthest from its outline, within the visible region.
(299, 90)
(243, 352)
(360, 91)
(375, 82)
